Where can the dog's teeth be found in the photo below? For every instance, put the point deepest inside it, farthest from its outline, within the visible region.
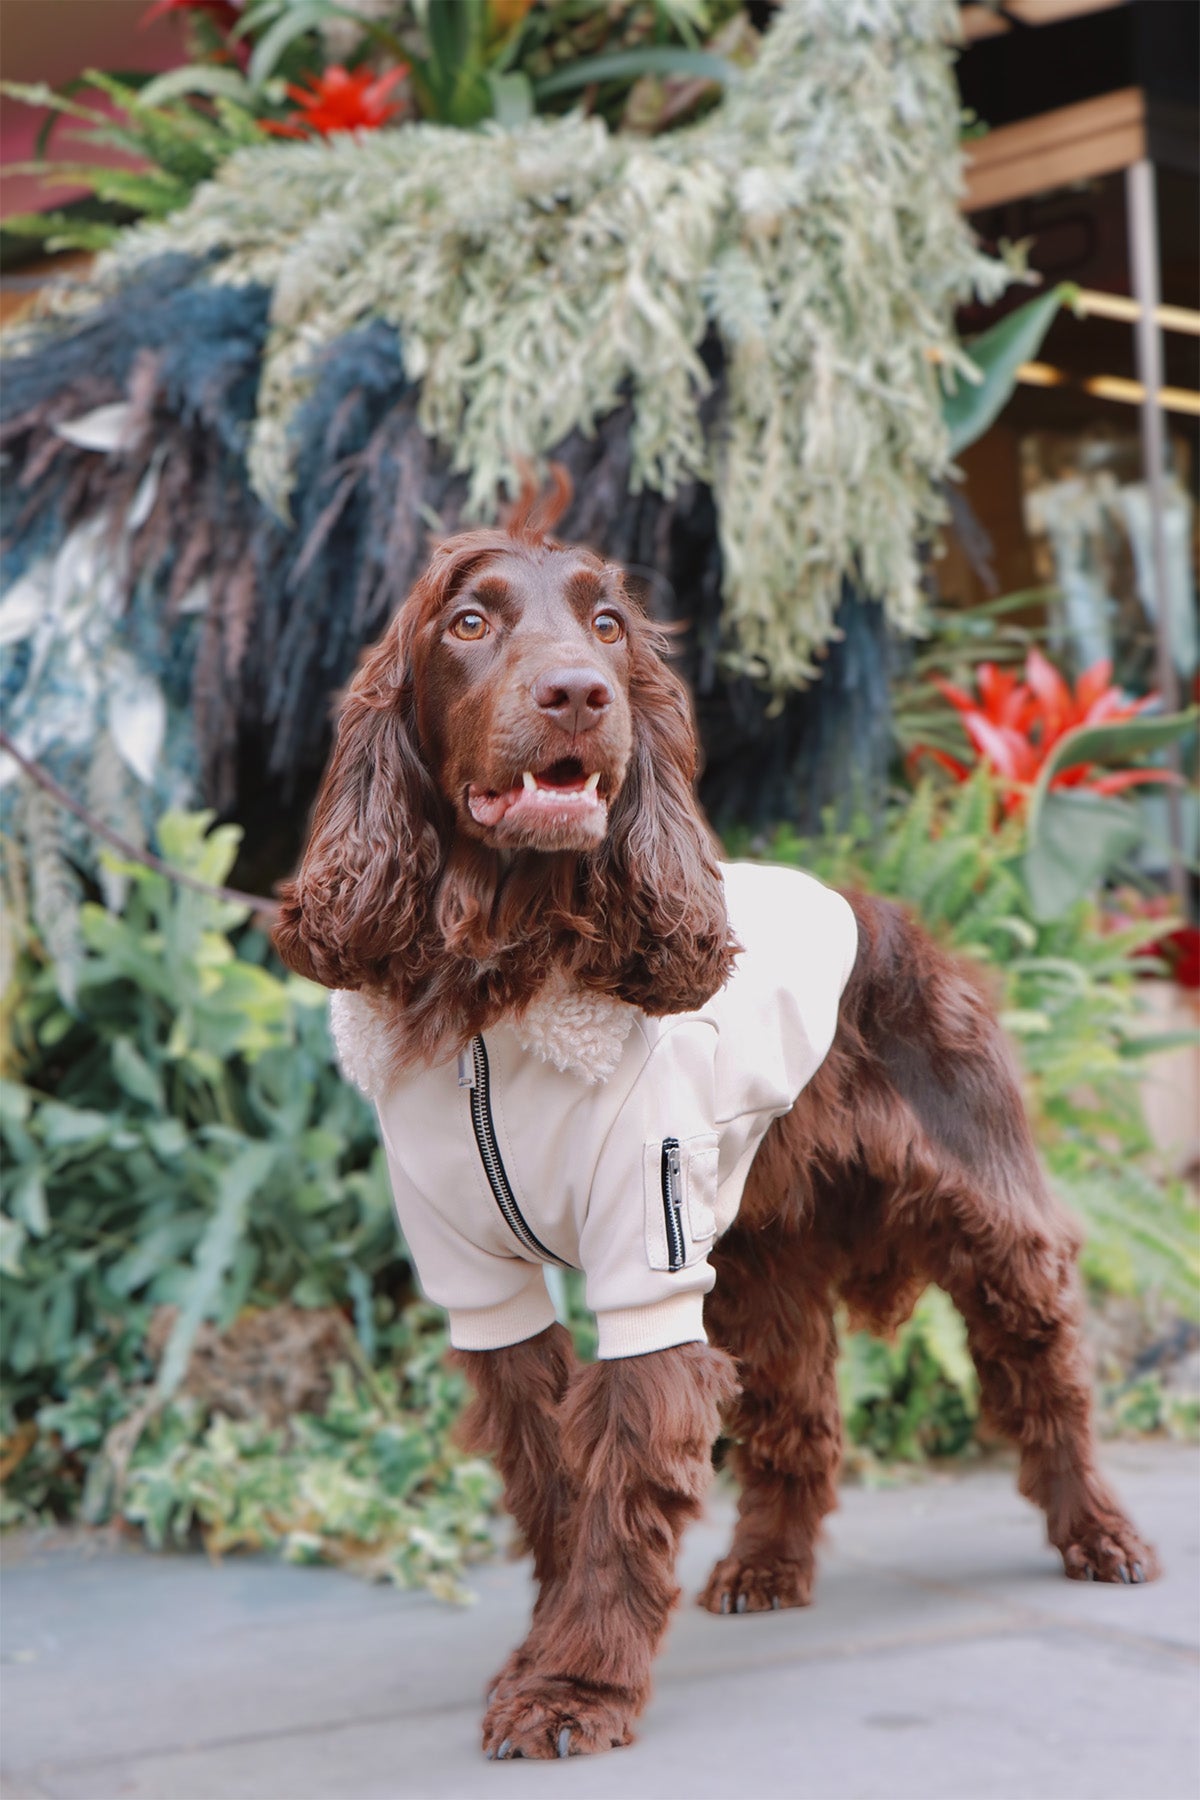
(530, 780)
(592, 783)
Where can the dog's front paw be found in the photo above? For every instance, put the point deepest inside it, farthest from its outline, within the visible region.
(544, 1717)
(1109, 1550)
(763, 1585)
(515, 1667)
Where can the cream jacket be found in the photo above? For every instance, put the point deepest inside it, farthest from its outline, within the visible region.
(590, 1136)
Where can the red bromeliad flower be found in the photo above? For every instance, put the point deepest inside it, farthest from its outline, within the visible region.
(340, 101)
(1014, 726)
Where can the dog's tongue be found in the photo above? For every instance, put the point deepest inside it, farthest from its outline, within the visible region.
(489, 809)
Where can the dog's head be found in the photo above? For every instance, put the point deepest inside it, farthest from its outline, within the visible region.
(510, 790)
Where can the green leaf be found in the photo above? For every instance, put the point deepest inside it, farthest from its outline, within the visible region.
(998, 354)
(1079, 838)
(214, 1254)
(64, 1127)
(135, 1074)
(28, 1201)
(1118, 742)
(631, 65)
(1074, 838)
(454, 29)
(1159, 1043)
(62, 231)
(196, 78)
(512, 98)
(12, 1242)
(298, 21)
(945, 1337)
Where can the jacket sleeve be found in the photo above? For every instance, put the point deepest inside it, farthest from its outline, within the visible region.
(492, 1300)
(650, 1219)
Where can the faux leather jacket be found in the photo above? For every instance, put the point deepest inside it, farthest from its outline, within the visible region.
(588, 1135)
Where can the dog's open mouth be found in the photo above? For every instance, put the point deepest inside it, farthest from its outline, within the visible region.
(562, 793)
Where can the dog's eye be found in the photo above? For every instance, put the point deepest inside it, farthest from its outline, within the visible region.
(470, 627)
(608, 628)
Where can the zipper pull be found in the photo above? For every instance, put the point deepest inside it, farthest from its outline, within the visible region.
(672, 1195)
(466, 1067)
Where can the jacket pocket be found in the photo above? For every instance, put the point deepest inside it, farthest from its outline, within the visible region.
(680, 1180)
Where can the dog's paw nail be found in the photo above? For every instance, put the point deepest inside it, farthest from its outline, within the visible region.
(564, 1741)
(1089, 1574)
(742, 1603)
(1139, 1574)
(724, 1603)
(1123, 1572)
(491, 1755)
(776, 1603)
(504, 1749)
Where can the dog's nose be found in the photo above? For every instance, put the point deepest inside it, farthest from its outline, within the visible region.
(576, 699)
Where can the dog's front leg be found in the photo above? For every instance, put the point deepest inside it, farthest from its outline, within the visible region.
(637, 1436)
(514, 1418)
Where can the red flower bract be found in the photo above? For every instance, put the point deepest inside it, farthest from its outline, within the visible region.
(337, 100)
(1014, 726)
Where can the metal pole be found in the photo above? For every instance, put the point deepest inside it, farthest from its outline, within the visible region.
(1142, 225)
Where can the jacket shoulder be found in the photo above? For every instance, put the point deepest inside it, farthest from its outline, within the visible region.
(790, 918)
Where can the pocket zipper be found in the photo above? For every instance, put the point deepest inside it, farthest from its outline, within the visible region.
(673, 1205)
(474, 1074)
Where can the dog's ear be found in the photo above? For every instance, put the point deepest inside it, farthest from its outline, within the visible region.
(657, 886)
(364, 892)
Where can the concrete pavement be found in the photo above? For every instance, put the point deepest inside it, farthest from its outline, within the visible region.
(944, 1659)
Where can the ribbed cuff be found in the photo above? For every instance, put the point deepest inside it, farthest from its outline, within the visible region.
(511, 1322)
(635, 1330)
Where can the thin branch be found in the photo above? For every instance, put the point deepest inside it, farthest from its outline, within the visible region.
(43, 779)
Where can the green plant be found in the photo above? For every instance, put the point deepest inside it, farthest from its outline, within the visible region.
(178, 1136)
(177, 141)
(982, 386)
(464, 59)
(1042, 739)
(370, 1484)
(915, 1396)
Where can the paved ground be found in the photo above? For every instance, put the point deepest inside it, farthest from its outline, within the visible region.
(944, 1659)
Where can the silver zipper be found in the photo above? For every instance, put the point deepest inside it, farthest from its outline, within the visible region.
(672, 1194)
(473, 1074)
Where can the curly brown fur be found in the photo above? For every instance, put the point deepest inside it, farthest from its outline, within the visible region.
(907, 1159)
(636, 1438)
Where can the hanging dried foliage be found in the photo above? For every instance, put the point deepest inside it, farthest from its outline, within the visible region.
(536, 278)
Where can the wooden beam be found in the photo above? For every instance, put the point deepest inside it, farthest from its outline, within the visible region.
(1073, 143)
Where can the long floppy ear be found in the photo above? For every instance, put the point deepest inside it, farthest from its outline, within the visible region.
(656, 882)
(360, 907)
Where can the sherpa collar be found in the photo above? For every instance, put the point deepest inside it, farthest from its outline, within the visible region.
(578, 1032)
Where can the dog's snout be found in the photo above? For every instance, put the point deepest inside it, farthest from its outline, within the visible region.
(576, 699)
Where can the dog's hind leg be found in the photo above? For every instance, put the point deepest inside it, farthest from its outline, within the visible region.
(772, 1309)
(1020, 1296)
(514, 1417)
(941, 1126)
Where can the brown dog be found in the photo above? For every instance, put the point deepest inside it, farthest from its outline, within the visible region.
(510, 799)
